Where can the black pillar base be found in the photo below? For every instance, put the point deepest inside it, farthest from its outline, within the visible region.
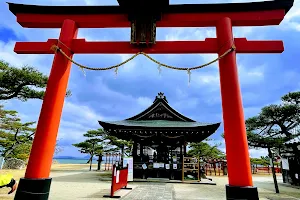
(33, 189)
(241, 193)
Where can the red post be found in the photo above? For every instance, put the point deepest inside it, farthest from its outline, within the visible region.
(45, 137)
(40, 160)
(237, 152)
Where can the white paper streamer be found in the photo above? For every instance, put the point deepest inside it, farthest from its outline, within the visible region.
(189, 73)
(159, 69)
(116, 72)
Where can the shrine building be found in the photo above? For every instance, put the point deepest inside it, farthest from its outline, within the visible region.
(160, 135)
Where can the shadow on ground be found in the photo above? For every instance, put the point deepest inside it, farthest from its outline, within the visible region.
(90, 177)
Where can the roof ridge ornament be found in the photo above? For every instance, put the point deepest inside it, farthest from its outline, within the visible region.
(161, 95)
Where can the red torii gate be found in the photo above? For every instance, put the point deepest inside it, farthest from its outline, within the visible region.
(36, 184)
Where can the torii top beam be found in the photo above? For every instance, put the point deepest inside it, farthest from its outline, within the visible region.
(185, 15)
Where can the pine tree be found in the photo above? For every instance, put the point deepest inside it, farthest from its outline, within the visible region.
(273, 126)
(93, 145)
(15, 137)
(22, 83)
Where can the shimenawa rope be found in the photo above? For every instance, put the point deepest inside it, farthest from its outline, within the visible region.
(56, 49)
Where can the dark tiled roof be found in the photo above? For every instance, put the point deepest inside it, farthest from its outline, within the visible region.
(180, 8)
(158, 123)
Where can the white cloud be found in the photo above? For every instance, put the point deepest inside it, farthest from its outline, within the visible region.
(181, 94)
(253, 153)
(129, 66)
(7, 54)
(188, 103)
(292, 19)
(177, 34)
(82, 111)
(251, 111)
(208, 79)
(257, 153)
(248, 75)
(72, 135)
(144, 101)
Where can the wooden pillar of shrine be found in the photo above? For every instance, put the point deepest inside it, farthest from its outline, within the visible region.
(181, 156)
(184, 148)
(141, 151)
(239, 170)
(134, 150)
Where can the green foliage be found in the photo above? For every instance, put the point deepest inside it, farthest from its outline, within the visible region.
(116, 144)
(292, 97)
(272, 127)
(15, 137)
(204, 150)
(108, 143)
(93, 145)
(99, 142)
(263, 160)
(22, 83)
(22, 151)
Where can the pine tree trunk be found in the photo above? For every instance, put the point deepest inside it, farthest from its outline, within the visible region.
(273, 171)
(99, 163)
(91, 162)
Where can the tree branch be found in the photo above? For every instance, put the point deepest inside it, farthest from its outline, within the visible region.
(16, 135)
(16, 92)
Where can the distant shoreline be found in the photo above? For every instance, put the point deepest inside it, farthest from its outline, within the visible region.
(72, 160)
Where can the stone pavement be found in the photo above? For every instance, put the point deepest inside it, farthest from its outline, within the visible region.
(151, 191)
(177, 191)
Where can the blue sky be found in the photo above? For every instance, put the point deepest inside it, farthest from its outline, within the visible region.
(264, 78)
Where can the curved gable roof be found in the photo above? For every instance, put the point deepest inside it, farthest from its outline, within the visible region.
(160, 110)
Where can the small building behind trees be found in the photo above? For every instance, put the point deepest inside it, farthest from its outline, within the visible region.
(291, 161)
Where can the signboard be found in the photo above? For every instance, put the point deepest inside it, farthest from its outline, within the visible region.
(285, 164)
(129, 160)
(190, 169)
(155, 165)
(174, 159)
(117, 176)
(167, 166)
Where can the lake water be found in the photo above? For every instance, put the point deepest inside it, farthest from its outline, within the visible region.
(76, 161)
(73, 161)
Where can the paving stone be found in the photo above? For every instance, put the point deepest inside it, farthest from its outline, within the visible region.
(151, 191)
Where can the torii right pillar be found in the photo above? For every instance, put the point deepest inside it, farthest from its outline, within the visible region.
(237, 153)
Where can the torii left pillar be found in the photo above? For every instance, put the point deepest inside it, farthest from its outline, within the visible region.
(36, 183)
